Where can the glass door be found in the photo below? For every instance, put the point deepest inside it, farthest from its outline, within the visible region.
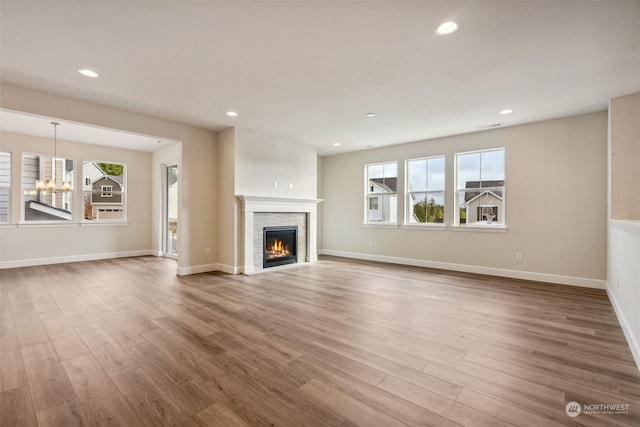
(171, 211)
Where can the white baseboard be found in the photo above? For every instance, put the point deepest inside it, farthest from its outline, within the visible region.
(74, 258)
(634, 345)
(195, 269)
(512, 274)
(229, 269)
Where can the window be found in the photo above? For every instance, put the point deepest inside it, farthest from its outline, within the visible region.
(5, 186)
(480, 197)
(107, 191)
(104, 191)
(47, 184)
(373, 203)
(425, 191)
(381, 194)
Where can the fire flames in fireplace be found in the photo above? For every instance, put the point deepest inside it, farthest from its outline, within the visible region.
(277, 250)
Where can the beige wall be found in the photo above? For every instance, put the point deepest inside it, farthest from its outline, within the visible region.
(262, 160)
(320, 195)
(623, 249)
(65, 241)
(199, 157)
(198, 195)
(227, 204)
(555, 204)
(624, 117)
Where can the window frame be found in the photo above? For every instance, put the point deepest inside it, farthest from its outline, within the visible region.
(8, 187)
(498, 226)
(123, 193)
(408, 193)
(368, 195)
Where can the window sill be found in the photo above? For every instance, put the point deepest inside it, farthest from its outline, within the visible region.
(481, 228)
(8, 225)
(380, 225)
(436, 227)
(47, 224)
(51, 224)
(102, 223)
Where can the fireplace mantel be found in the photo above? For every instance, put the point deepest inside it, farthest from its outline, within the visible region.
(277, 204)
(253, 204)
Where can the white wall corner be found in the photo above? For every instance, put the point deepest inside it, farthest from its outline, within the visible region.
(634, 342)
(229, 269)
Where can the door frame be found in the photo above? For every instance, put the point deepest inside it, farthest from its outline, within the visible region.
(165, 207)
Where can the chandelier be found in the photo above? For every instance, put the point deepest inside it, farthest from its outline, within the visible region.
(50, 185)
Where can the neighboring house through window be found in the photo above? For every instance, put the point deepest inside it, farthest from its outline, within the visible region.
(104, 191)
(381, 203)
(425, 190)
(480, 178)
(5, 186)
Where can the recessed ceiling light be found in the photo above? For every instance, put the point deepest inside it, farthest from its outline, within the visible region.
(507, 111)
(88, 73)
(158, 142)
(370, 114)
(447, 28)
(336, 144)
(232, 113)
(369, 146)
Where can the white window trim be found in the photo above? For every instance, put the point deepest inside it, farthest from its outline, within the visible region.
(438, 226)
(501, 227)
(376, 224)
(9, 192)
(486, 228)
(47, 223)
(124, 202)
(408, 210)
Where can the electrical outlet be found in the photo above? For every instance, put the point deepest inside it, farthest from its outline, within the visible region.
(518, 256)
(207, 251)
(275, 184)
(291, 186)
(370, 243)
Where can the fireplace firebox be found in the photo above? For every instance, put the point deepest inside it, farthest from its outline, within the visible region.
(280, 244)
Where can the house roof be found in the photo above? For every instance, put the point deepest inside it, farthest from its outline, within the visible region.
(485, 184)
(389, 185)
(471, 200)
(115, 178)
(470, 195)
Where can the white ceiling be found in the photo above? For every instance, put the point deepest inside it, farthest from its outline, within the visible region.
(29, 124)
(309, 71)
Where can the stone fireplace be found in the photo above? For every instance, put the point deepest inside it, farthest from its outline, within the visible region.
(260, 213)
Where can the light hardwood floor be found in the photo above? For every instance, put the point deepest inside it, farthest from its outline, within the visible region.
(127, 342)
